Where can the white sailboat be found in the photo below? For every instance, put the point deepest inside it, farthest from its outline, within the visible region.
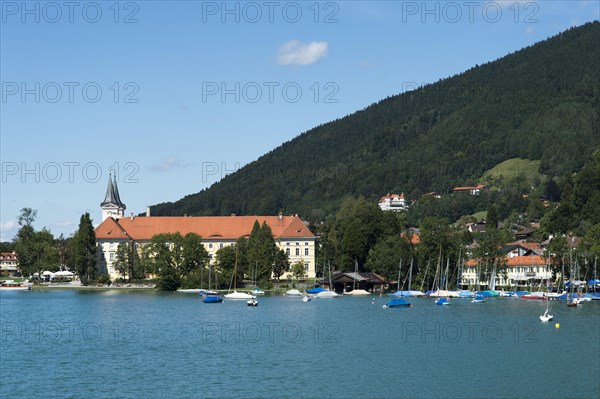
(235, 294)
(328, 293)
(546, 316)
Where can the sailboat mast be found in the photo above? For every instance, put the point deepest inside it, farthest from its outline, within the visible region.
(399, 268)
(425, 275)
(410, 275)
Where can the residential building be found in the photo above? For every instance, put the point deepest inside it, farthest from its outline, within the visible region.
(529, 269)
(393, 202)
(9, 262)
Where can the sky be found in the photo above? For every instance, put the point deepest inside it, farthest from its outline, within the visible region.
(173, 95)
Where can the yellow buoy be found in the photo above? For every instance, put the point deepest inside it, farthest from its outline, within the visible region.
(557, 325)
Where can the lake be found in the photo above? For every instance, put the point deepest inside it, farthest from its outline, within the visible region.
(143, 344)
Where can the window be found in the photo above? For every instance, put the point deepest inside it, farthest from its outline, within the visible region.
(305, 243)
(112, 256)
(305, 251)
(287, 243)
(221, 245)
(297, 243)
(306, 266)
(102, 256)
(287, 251)
(210, 245)
(297, 251)
(111, 245)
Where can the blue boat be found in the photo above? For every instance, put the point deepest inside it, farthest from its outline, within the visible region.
(478, 298)
(315, 290)
(212, 297)
(397, 303)
(442, 301)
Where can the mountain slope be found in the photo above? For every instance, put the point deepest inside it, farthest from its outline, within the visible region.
(540, 103)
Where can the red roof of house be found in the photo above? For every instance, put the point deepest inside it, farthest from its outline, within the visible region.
(517, 261)
(468, 188)
(8, 256)
(391, 196)
(208, 227)
(415, 238)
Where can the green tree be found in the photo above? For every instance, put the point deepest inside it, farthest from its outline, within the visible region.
(591, 241)
(261, 250)
(385, 256)
(123, 259)
(492, 218)
(85, 250)
(37, 250)
(195, 256)
(225, 262)
(25, 242)
(298, 271)
(281, 263)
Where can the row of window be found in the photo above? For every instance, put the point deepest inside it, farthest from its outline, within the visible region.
(111, 245)
(287, 251)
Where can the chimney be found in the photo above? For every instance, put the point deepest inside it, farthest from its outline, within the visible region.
(280, 216)
(132, 216)
(147, 211)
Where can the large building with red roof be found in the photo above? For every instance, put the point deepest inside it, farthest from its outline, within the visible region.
(290, 233)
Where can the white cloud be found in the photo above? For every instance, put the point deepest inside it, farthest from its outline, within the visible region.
(168, 164)
(295, 52)
(8, 230)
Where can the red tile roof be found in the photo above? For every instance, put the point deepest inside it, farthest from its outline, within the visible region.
(391, 196)
(415, 238)
(8, 256)
(208, 227)
(517, 261)
(468, 188)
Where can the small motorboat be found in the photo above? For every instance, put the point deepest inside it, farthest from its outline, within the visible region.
(293, 293)
(252, 302)
(306, 299)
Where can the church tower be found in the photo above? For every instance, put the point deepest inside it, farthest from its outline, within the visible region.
(112, 205)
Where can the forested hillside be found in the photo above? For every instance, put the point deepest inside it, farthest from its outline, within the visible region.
(539, 103)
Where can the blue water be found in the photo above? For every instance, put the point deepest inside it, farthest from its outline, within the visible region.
(105, 344)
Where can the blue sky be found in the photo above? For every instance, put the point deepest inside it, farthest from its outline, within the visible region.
(174, 95)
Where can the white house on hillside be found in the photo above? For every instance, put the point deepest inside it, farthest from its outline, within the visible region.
(393, 202)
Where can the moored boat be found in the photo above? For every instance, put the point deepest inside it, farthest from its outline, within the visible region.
(397, 303)
(252, 302)
(212, 297)
(238, 295)
(442, 301)
(540, 296)
(11, 285)
(327, 294)
(478, 299)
